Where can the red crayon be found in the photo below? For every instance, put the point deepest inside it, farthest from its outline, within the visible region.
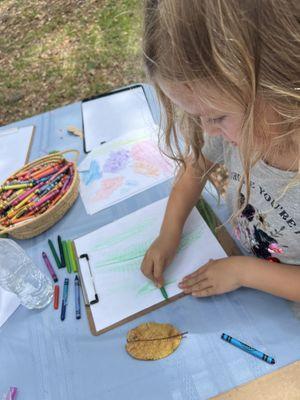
(56, 297)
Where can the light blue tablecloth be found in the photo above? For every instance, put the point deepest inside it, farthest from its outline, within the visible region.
(48, 359)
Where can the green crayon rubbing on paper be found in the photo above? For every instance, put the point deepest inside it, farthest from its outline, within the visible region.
(133, 232)
(120, 267)
(150, 287)
(190, 238)
(138, 251)
(135, 254)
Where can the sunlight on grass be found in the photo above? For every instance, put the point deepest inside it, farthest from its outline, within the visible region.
(54, 53)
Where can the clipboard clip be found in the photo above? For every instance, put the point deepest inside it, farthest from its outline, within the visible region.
(85, 295)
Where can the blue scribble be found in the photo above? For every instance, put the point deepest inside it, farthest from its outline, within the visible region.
(93, 174)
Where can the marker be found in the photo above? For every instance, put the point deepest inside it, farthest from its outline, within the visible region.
(56, 297)
(248, 349)
(53, 251)
(164, 293)
(77, 298)
(65, 299)
(49, 267)
(62, 257)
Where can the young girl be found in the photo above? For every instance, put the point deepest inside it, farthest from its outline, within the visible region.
(230, 69)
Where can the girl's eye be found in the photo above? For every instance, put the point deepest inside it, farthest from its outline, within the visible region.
(217, 120)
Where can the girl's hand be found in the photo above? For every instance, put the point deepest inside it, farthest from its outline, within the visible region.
(215, 277)
(159, 256)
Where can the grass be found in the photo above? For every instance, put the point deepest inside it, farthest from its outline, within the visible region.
(55, 52)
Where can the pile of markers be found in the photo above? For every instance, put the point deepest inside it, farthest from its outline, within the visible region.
(33, 191)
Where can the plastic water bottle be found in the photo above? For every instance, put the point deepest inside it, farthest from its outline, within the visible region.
(19, 275)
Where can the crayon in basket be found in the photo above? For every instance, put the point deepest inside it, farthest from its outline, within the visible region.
(34, 190)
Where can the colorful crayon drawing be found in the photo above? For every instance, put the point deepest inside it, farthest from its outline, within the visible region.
(121, 168)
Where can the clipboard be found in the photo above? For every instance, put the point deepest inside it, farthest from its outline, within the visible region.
(112, 114)
(91, 296)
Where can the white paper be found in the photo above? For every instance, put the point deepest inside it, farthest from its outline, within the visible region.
(117, 250)
(121, 168)
(116, 114)
(9, 302)
(14, 146)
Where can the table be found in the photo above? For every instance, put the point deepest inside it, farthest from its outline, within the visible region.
(48, 359)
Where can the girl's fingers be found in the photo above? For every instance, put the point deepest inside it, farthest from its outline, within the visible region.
(192, 279)
(158, 273)
(199, 271)
(204, 292)
(147, 268)
(153, 269)
(198, 284)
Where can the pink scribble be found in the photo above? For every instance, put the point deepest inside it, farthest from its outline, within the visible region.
(108, 186)
(148, 160)
(116, 161)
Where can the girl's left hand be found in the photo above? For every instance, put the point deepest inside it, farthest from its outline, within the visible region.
(215, 277)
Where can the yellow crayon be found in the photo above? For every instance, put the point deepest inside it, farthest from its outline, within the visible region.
(24, 201)
(18, 214)
(14, 212)
(17, 186)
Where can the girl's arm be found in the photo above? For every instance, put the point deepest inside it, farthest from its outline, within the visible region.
(281, 280)
(183, 198)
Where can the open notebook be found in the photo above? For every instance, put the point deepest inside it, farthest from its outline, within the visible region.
(110, 260)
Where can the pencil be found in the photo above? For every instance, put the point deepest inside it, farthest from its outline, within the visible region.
(53, 251)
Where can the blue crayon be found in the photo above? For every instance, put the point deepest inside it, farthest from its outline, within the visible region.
(248, 349)
(65, 299)
(77, 298)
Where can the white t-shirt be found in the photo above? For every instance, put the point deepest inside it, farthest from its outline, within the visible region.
(269, 226)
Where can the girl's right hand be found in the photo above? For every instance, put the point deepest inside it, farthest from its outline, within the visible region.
(159, 256)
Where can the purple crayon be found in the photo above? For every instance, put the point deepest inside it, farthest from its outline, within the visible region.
(49, 267)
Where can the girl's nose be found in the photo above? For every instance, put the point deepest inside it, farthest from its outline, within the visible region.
(210, 129)
(213, 131)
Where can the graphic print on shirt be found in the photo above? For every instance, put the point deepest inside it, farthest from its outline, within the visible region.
(252, 229)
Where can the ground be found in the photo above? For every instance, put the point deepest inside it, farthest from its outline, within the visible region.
(54, 52)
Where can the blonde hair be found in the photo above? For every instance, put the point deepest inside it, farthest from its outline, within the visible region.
(246, 49)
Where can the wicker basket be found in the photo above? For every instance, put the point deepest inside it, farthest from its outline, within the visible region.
(40, 223)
